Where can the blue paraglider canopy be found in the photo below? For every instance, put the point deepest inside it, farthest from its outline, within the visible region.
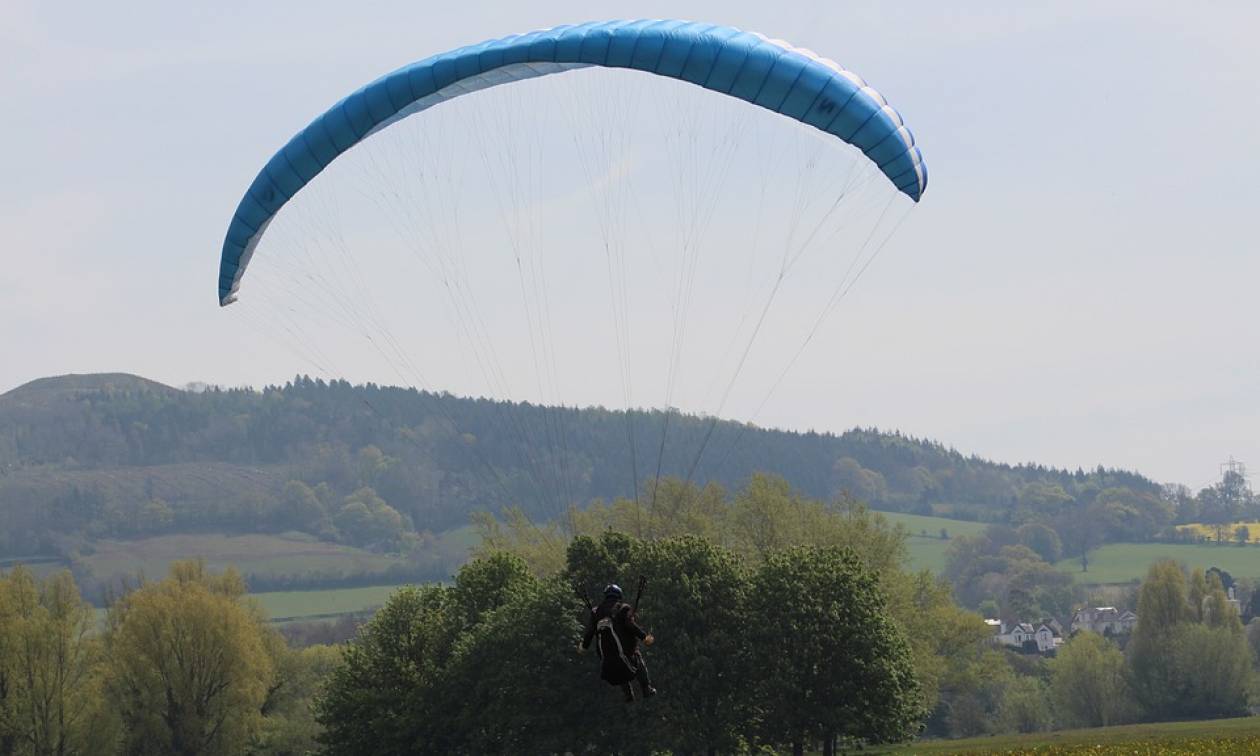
(768, 73)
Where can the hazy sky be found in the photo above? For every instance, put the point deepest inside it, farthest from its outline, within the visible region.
(1077, 287)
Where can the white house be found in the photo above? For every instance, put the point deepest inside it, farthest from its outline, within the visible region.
(1016, 635)
(1104, 620)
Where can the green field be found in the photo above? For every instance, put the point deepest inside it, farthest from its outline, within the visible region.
(308, 606)
(917, 524)
(282, 606)
(928, 552)
(1110, 564)
(284, 554)
(258, 554)
(1125, 562)
(1219, 736)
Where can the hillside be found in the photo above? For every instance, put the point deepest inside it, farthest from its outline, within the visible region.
(118, 456)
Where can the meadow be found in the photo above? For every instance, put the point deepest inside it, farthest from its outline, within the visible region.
(925, 547)
(288, 606)
(1126, 562)
(1219, 736)
(1114, 563)
(256, 553)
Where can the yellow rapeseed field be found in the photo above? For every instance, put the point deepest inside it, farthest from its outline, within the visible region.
(1209, 531)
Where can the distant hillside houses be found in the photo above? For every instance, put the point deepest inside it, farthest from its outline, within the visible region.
(1104, 620)
(1043, 638)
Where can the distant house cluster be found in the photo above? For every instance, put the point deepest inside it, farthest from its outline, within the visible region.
(1042, 638)
(1045, 637)
(1104, 620)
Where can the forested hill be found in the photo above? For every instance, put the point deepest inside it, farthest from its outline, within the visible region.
(120, 455)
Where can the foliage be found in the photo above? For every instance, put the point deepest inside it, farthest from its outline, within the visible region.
(374, 701)
(489, 665)
(289, 727)
(189, 669)
(50, 697)
(1089, 684)
(1042, 539)
(972, 697)
(1189, 656)
(937, 630)
(1025, 706)
(831, 661)
(182, 666)
(995, 566)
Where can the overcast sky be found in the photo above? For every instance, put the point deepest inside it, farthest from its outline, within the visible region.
(1077, 287)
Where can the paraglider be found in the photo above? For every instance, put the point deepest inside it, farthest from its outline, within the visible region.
(832, 111)
(769, 73)
(614, 628)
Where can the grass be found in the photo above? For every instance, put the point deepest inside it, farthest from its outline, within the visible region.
(1220, 736)
(917, 524)
(1125, 562)
(282, 606)
(259, 554)
(927, 552)
(305, 606)
(284, 554)
(464, 537)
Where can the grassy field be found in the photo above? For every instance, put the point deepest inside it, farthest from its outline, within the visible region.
(309, 606)
(284, 554)
(1220, 736)
(258, 554)
(282, 606)
(1124, 562)
(918, 524)
(927, 552)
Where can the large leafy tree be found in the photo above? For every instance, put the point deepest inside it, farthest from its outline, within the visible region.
(696, 597)
(50, 697)
(1163, 606)
(1089, 684)
(378, 699)
(289, 727)
(1189, 656)
(188, 665)
(515, 683)
(830, 660)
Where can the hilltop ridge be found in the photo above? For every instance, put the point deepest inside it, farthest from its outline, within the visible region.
(116, 455)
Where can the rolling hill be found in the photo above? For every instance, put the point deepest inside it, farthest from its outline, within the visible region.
(87, 459)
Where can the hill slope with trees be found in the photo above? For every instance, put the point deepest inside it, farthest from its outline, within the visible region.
(123, 457)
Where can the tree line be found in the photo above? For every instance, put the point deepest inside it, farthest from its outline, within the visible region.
(782, 621)
(367, 465)
(185, 665)
(489, 662)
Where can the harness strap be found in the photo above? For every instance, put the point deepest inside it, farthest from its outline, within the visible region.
(607, 624)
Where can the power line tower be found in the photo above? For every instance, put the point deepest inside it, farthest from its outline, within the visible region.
(1233, 468)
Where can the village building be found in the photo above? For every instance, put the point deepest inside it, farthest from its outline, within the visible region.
(1026, 637)
(1104, 620)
